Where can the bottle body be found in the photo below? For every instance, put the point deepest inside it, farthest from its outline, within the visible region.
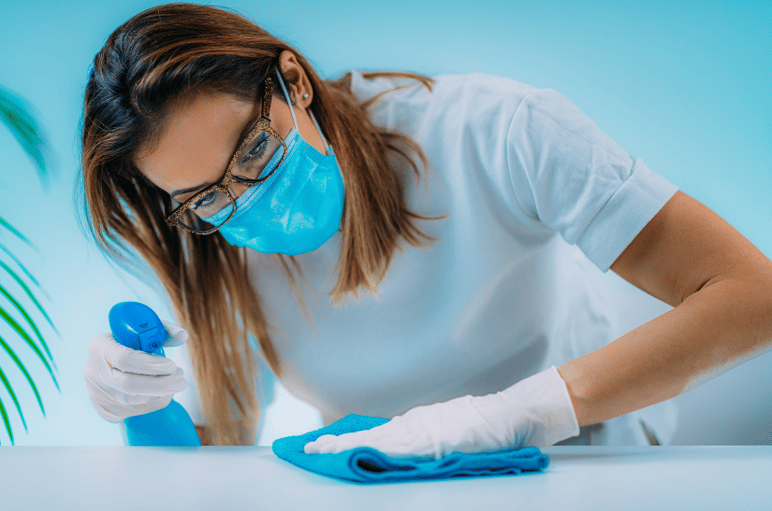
(169, 426)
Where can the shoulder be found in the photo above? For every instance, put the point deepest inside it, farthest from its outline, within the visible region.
(456, 88)
(365, 87)
(468, 95)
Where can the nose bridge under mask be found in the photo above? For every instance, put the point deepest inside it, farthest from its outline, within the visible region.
(259, 190)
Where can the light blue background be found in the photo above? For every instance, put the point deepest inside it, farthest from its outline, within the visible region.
(683, 85)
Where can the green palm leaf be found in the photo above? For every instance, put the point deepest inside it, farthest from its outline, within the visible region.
(21, 332)
(23, 369)
(14, 231)
(24, 335)
(6, 421)
(27, 273)
(7, 386)
(29, 320)
(31, 297)
(15, 115)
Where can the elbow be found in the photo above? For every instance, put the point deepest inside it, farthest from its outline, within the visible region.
(756, 286)
(758, 293)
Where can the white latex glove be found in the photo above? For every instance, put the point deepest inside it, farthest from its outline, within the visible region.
(123, 382)
(536, 411)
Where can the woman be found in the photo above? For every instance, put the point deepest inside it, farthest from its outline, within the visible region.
(469, 216)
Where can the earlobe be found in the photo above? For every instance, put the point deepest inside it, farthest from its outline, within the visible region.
(298, 84)
(294, 101)
(300, 92)
(303, 93)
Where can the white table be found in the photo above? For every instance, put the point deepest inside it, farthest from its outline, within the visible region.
(234, 478)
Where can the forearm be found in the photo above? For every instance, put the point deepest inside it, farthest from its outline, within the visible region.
(715, 329)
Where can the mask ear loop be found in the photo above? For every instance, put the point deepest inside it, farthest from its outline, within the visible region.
(292, 111)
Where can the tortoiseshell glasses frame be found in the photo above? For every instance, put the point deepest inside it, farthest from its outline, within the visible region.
(262, 125)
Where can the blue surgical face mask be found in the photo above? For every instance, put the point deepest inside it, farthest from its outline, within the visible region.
(297, 209)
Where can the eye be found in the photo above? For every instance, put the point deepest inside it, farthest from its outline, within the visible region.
(258, 150)
(205, 201)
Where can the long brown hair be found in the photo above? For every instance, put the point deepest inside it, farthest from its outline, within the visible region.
(145, 64)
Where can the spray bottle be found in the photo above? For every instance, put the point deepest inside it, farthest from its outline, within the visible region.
(136, 326)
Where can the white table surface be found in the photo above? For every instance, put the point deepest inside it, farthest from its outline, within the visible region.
(234, 478)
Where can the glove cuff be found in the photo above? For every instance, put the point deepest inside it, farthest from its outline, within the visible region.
(552, 412)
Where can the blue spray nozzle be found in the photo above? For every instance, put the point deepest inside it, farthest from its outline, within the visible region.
(136, 326)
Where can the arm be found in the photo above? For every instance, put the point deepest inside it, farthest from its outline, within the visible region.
(720, 286)
(687, 256)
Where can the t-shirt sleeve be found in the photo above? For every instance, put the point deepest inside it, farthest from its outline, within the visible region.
(573, 178)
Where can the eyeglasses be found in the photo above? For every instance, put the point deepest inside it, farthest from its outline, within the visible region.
(258, 155)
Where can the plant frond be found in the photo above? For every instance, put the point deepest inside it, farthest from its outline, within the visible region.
(17, 233)
(24, 335)
(31, 297)
(23, 268)
(14, 113)
(8, 387)
(23, 369)
(6, 421)
(28, 318)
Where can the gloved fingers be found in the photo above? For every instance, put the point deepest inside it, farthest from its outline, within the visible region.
(536, 411)
(101, 396)
(152, 406)
(115, 412)
(396, 447)
(333, 444)
(105, 413)
(122, 382)
(145, 385)
(139, 400)
(321, 445)
(114, 406)
(392, 438)
(128, 360)
(175, 335)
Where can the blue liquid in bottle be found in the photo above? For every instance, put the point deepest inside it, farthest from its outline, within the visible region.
(136, 326)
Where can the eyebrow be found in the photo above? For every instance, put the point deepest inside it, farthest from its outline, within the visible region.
(244, 132)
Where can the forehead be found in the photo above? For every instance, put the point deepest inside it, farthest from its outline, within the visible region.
(196, 140)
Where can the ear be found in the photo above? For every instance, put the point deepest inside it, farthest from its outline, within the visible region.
(296, 80)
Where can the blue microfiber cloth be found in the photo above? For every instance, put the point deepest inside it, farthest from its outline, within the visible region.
(368, 465)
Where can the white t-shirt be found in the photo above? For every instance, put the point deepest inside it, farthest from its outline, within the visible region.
(539, 202)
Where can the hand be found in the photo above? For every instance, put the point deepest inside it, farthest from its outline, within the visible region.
(536, 411)
(122, 382)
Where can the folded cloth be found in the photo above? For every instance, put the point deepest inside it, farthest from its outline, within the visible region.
(368, 465)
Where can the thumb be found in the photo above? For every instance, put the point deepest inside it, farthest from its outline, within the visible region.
(175, 335)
